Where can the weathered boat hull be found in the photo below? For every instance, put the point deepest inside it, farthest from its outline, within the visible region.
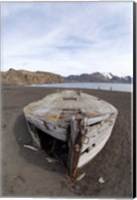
(77, 125)
(96, 141)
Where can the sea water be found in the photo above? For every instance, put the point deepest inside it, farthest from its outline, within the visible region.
(123, 87)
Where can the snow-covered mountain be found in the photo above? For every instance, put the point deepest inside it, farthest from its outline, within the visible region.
(99, 77)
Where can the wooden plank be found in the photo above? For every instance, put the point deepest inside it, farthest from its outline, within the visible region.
(75, 145)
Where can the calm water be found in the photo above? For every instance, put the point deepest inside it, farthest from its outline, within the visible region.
(102, 86)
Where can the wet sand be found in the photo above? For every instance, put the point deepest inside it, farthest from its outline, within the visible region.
(27, 173)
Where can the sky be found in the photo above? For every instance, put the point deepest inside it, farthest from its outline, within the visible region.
(67, 37)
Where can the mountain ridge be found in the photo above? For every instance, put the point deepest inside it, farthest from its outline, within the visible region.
(99, 77)
(24, 77)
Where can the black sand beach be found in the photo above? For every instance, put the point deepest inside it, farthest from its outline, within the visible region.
(27, 173)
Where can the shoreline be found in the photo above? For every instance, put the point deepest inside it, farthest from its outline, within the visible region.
(115, 87)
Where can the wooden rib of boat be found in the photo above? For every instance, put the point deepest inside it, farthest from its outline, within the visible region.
(71, 126)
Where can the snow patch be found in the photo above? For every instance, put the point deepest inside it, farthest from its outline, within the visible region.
(107, 75)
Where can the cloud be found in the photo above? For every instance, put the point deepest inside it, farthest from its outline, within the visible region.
(68, 37)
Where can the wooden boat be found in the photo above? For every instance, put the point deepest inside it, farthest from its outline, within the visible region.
(71, 126)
